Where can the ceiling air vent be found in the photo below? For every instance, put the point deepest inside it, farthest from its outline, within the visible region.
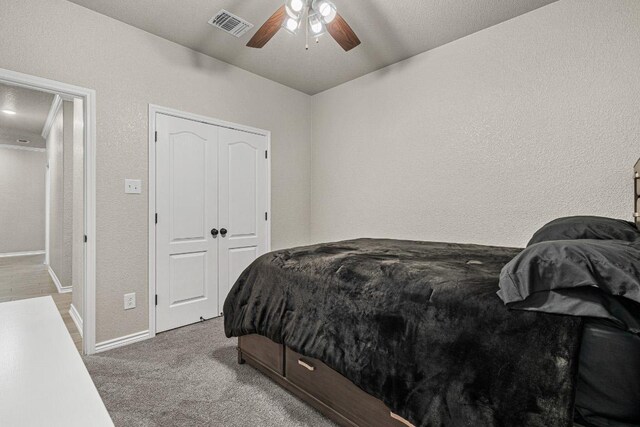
(230, 23)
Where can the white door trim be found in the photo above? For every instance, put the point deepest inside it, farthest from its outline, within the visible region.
(89, 97)
(153, 110)
(51, 117)
(47, 210)
(56, 104)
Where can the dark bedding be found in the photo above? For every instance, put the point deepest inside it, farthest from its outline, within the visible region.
(608, 393)
(590, 278)
(418, 325)
(586, 227)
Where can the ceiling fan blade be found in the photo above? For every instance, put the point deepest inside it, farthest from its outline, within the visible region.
(342, 33)
(268, 29)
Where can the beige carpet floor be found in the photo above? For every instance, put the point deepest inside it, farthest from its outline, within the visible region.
(190, 377)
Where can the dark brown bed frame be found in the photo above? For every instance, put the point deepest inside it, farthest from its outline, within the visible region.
(316, 384)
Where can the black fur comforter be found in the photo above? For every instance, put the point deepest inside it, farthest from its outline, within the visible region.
(418, 325)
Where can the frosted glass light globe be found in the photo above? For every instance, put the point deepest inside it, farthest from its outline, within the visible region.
(291, 24)
(296, 5)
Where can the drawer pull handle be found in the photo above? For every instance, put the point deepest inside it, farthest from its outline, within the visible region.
(306, 365)
(402, 420)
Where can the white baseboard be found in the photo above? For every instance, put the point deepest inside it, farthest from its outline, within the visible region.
(22, 147)
(75, 316)
(56, 281)
(28, 253)
(122, 341)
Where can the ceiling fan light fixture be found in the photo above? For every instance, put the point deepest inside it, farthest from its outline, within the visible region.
(291, 25)
(317, 16)
(296, 6)
(316, 25)
(326, 9)
(292, 13)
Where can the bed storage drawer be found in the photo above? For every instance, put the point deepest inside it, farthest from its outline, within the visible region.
(263, 350)
(337, 392)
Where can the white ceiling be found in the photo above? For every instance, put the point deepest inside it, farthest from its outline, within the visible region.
(390, 32)
(31, 107)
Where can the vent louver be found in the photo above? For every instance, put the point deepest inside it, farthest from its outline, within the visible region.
(230, 23)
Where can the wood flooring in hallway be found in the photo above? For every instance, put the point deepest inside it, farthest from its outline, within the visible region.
(25, 277)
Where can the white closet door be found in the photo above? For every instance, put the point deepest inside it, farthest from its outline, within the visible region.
(187, 208)
(243, 203)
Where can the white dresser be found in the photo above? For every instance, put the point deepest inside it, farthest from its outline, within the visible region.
(43, 381)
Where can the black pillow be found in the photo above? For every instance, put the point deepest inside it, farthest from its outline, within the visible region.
(586, 227)
(595, 278)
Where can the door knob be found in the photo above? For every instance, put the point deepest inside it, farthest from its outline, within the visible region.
(223, 232)
(214, 232)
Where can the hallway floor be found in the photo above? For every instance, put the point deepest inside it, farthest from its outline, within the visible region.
(25, 277)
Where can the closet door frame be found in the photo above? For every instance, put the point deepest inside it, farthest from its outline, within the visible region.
(153, 111)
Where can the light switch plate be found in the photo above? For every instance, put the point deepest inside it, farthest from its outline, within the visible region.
(129, 301)
(133, 186)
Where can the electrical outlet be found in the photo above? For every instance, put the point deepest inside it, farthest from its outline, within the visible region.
(129, 301)
(132, 186)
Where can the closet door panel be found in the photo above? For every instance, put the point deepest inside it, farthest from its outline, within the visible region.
(242, 203)
(187, 208)
(243, 190)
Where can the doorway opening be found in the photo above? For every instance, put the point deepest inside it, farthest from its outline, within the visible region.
(47, 219)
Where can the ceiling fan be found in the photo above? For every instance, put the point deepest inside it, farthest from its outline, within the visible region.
(318, 17)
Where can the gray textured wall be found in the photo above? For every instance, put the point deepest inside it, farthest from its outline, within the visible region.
(129, 69)
(60, 152)
(480, 140)
(67, 178)
(22, 200)
(58, 260)
(488, 137)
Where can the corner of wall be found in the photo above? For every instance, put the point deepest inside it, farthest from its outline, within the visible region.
(310, 238)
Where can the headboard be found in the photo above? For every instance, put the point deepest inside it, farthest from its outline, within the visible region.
(636, 191)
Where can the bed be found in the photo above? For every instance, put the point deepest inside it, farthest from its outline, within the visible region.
(378, 332)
